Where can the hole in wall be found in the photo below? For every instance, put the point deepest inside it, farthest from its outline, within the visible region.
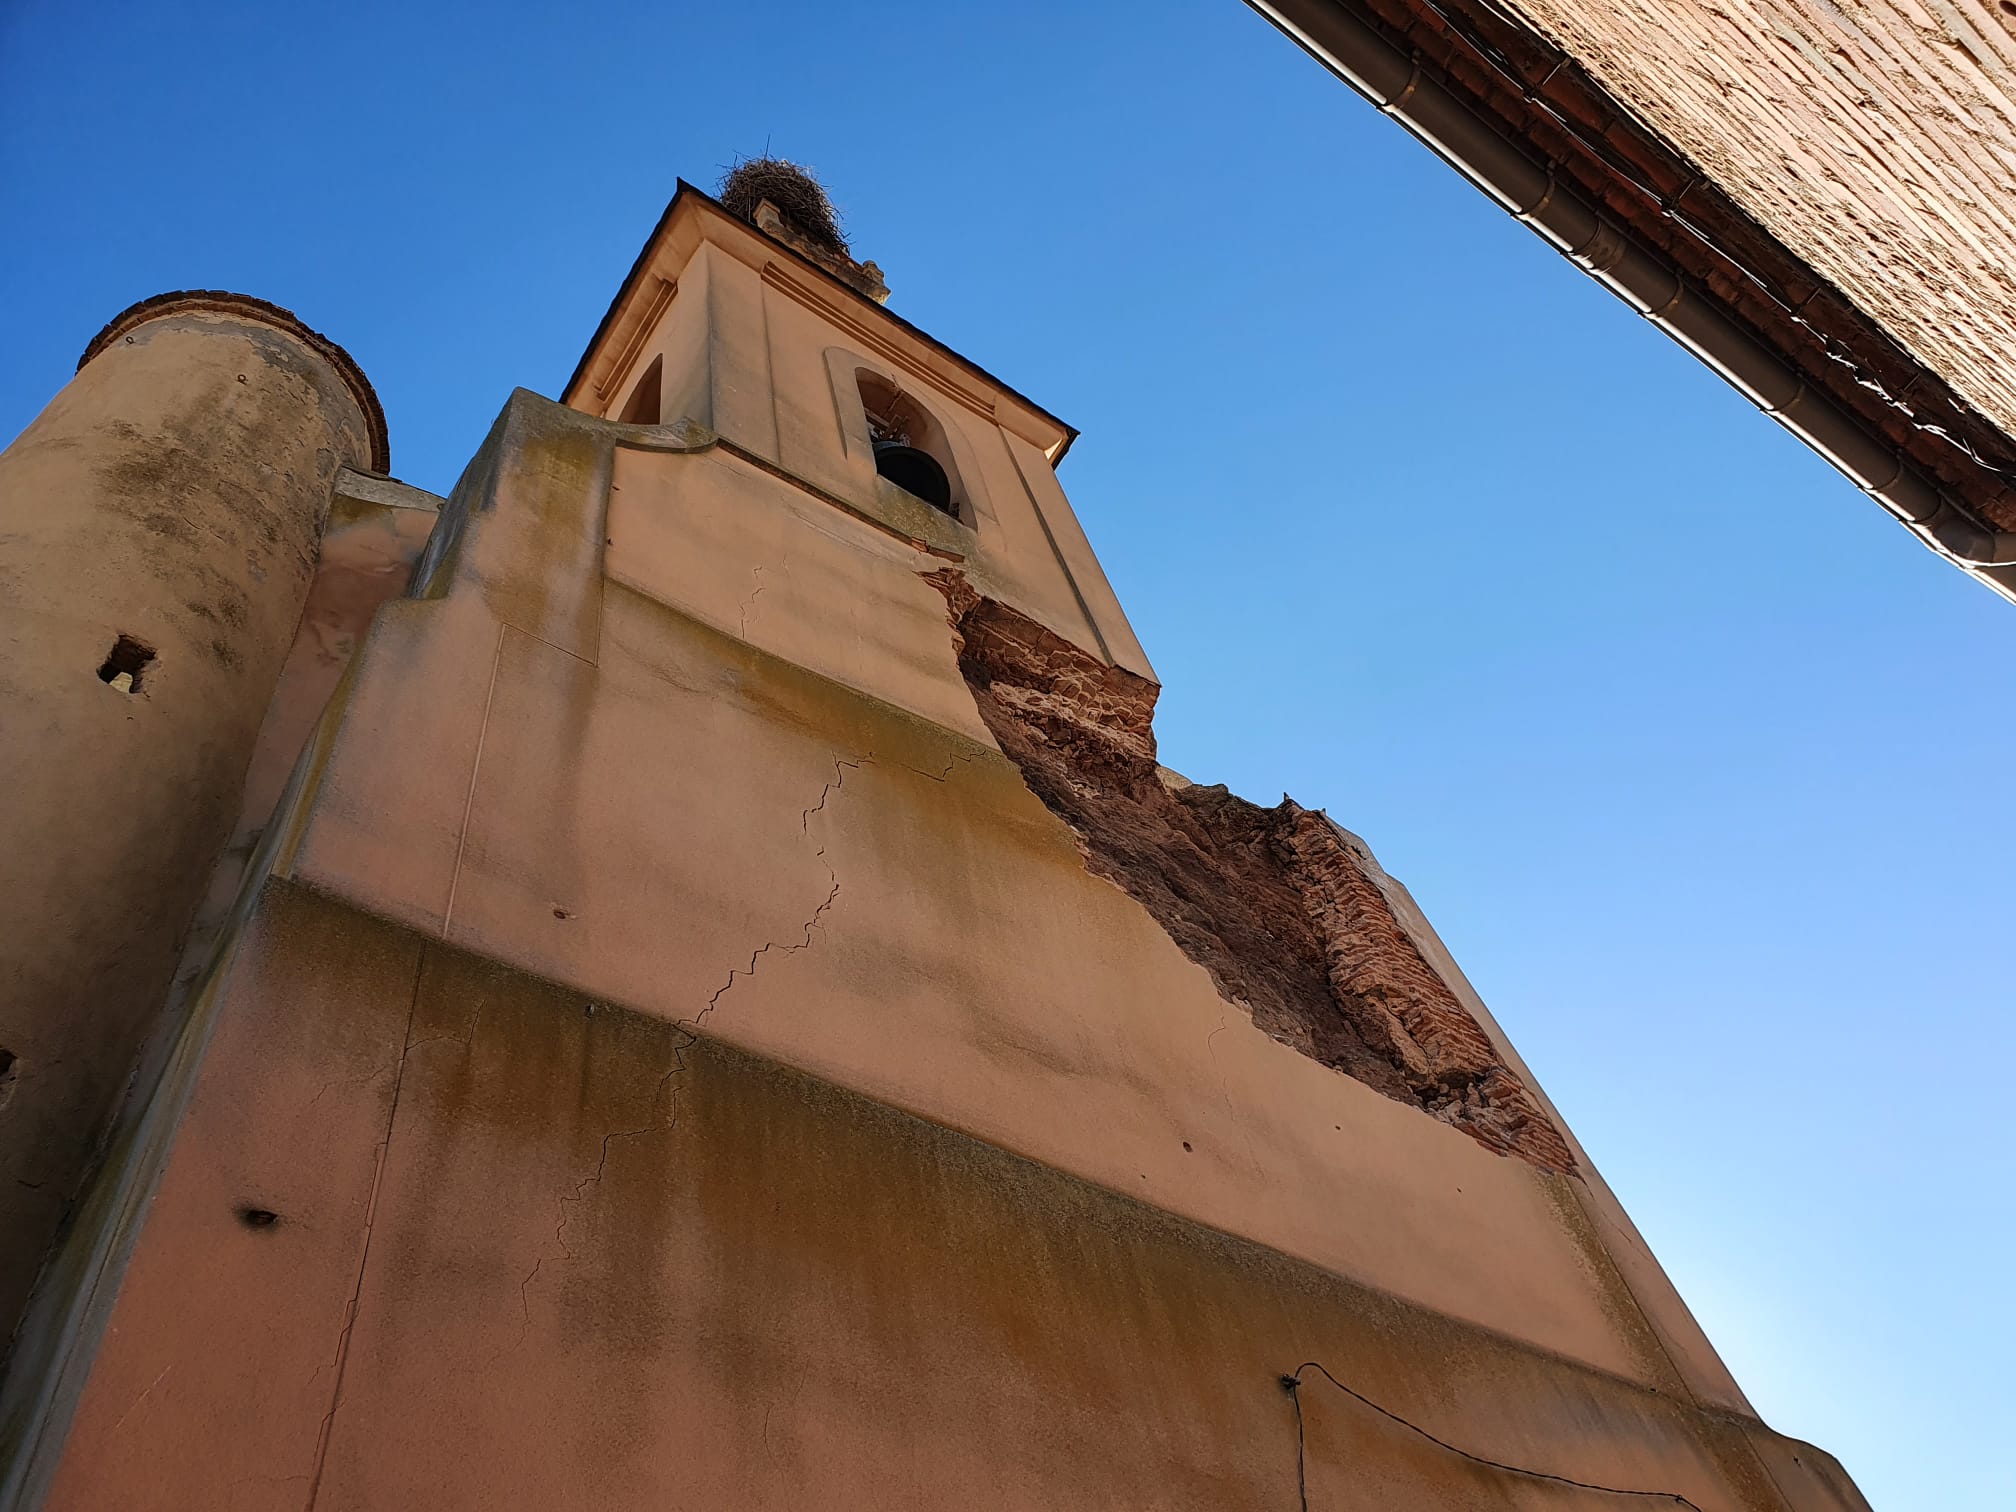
(124, 665)
(10, 1074)
(257, 1217)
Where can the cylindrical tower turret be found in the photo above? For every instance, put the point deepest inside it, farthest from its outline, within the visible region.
(159, 524)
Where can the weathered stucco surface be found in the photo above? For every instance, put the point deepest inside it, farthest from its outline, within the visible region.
(373, 536)
(549, 1252)
(173, 494)
(623, 812)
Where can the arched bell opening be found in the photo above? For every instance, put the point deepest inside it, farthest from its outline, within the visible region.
(916, 471)
(911, 448)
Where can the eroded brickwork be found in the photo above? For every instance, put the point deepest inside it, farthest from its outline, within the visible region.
(1269, 901)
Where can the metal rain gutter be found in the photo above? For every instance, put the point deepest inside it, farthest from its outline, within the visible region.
(1396, 85)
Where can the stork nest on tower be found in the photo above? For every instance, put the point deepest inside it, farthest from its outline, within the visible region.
(795, 193)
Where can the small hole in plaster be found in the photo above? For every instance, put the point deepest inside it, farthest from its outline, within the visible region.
(10, 1074)
(1186, 1144)
(125, 663)
(258, 1218)
(561, 913)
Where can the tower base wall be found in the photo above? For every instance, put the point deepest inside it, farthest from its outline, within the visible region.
(532, 1250)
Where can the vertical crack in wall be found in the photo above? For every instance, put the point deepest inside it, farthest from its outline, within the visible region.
(663, 1105)
(340, 1364)
(1270, 901)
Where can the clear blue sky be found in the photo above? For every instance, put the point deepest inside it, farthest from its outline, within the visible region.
(1686, 749)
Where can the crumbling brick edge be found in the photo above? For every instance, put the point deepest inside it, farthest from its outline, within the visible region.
(1271, 902)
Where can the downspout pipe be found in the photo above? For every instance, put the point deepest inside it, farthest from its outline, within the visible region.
(1397, 87)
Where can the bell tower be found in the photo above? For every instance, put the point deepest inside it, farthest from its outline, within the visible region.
(730, 1011)
(798, 371)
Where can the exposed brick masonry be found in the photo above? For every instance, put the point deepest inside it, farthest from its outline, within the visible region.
(1270, 902)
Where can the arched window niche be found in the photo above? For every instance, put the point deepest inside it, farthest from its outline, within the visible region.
(645, 406)
(910, 446)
